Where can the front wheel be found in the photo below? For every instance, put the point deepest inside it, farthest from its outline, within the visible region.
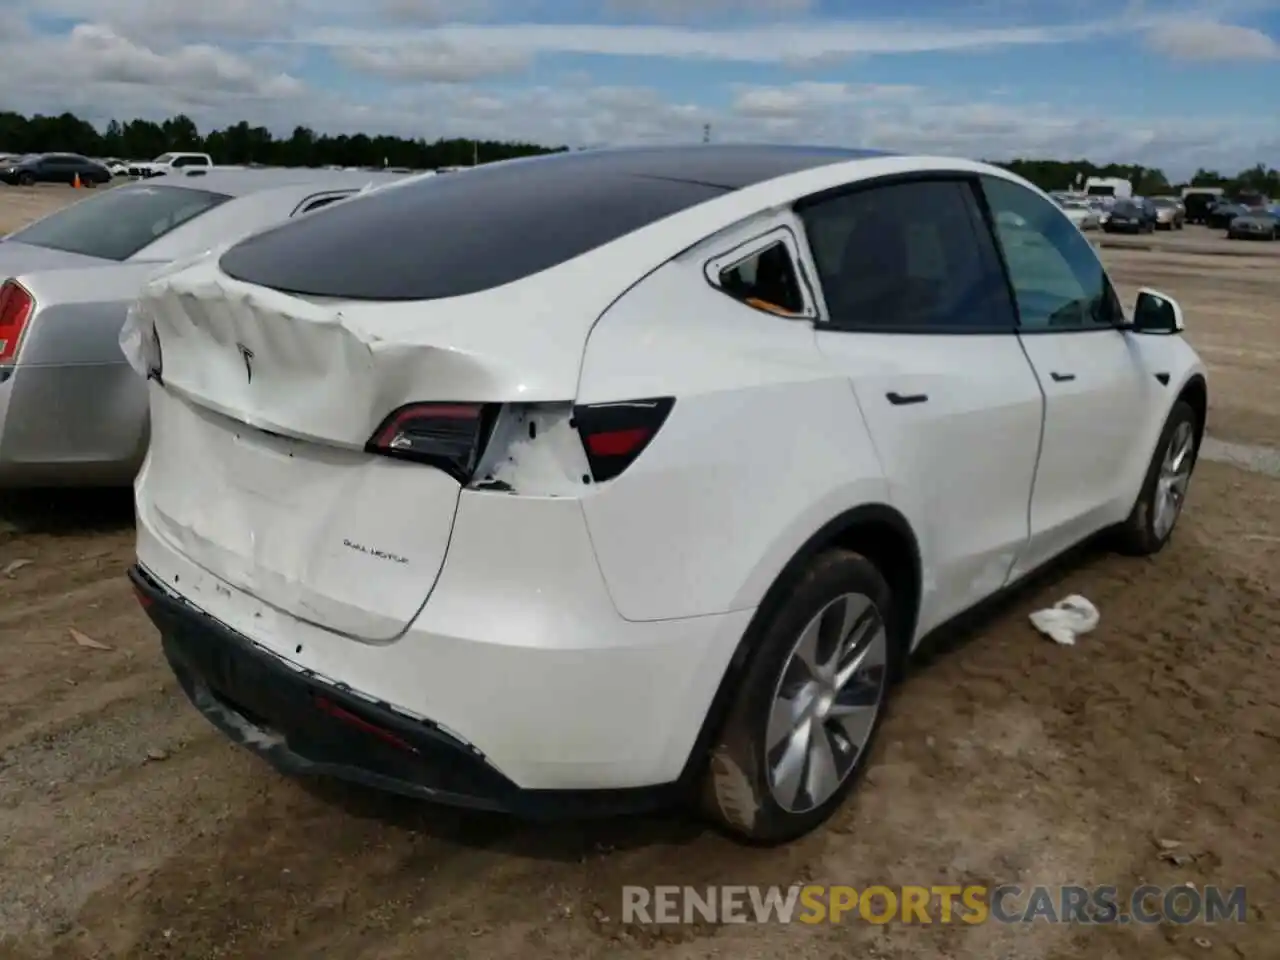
(26, 180)
(1164, 490)
(803, 721)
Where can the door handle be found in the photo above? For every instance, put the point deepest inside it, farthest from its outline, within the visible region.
(901, 400)
(1062, 377)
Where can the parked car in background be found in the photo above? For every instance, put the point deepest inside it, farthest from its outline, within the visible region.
(167, 162)
(55, 168)
(71, 411)
(1170, 213)
(1223, 212)
(446, 484)
(1259, 224)
(1080, 213)
(117, 167)
(1135, 215)
(1198, 200)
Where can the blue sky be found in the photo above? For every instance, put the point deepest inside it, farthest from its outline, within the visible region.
(1178, 84)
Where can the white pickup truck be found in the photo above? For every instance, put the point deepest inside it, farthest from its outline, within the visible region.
(169, 161)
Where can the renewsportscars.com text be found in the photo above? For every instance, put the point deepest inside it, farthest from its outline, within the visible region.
(937, 903)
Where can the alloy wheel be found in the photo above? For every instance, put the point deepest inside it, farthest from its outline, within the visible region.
(825, 703)
(1171, 484)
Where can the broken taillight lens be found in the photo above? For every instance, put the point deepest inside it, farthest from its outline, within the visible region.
(450, 436)
(16, 308)
(615, 434)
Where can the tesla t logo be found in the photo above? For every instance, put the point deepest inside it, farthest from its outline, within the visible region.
(247, 356)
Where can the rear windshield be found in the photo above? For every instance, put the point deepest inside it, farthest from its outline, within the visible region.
(448, 236)
(116, 224)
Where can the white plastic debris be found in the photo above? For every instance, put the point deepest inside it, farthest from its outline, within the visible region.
(1066, 619)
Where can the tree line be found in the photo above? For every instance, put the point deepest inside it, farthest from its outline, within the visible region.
(1147, 181)
(243, 144)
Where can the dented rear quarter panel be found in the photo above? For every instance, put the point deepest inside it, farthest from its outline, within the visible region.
(724, 450)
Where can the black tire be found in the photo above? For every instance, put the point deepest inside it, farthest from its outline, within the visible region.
(26, 180)
(1138, 535)
(736, 792)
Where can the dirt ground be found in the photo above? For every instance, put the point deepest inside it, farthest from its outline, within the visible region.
(130, 829)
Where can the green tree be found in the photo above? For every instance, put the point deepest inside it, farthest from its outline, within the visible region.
(241, 143)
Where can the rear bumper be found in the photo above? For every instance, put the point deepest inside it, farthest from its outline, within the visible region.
(304, 725)
(74, 425)
(518, 653)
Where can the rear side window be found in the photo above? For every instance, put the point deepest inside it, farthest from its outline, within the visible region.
(765, 280)
(323, 202)
(117, 224)
(449, 236)
(912, 257)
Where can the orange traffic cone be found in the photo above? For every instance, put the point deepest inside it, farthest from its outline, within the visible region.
(76, 183)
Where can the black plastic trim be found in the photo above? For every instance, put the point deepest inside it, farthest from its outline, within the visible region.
(903, 400)
(221, 671)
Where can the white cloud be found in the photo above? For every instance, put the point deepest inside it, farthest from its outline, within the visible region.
(435, 61)
(148, 20)
(1207, 40)
(94, 69)
(799, 99)
(435, 11)
(777, 43)
(695, 9)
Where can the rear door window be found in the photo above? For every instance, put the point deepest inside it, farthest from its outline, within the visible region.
(117, 224)
(913, 257)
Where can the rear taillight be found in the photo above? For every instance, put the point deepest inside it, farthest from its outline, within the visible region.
(615, 434)
(16, 307)
(450, 436)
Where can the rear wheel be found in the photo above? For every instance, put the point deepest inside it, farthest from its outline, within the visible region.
(1164, 490)
(805, 716)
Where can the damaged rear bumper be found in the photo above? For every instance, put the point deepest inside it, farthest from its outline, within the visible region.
(304, 725)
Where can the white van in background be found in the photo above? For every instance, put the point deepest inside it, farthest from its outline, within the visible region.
(1112, 188)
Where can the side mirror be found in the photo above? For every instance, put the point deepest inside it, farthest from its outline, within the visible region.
(1156, 313)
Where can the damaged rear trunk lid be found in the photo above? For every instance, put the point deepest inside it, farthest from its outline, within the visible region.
(262, 405)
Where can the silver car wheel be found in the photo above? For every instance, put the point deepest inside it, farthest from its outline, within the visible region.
(826, 702)
(1171, 484)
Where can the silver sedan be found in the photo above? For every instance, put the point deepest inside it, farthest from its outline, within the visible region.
(72, 411)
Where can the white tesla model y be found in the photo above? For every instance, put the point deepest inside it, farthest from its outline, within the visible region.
(588, 482)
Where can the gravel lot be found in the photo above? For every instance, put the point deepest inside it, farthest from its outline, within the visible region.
(130, 829)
